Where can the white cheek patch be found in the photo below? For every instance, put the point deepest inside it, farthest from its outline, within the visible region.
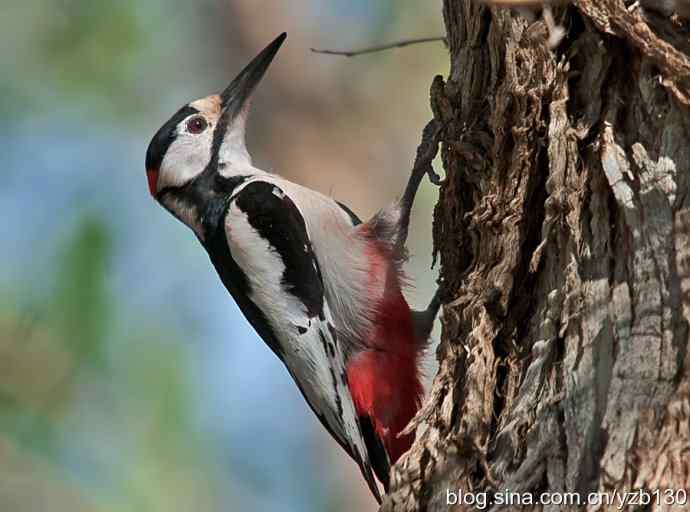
(185, 159)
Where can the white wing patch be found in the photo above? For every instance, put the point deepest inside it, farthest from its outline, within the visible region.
(278, 193)
(309, 346)
(350, 285)
(264, 269)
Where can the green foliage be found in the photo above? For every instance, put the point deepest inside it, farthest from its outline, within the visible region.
(88, 43)
(46, 353)
(78, 55)
(61, 383)
(80, 309)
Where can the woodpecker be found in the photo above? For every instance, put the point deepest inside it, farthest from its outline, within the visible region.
(322, 288)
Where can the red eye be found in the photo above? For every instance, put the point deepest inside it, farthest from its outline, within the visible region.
(196, 125)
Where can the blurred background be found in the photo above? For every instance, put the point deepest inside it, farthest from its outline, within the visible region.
(129, 381)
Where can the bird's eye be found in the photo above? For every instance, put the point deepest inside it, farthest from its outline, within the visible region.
(196, 125)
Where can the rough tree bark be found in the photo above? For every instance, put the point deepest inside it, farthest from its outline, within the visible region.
(563, 232)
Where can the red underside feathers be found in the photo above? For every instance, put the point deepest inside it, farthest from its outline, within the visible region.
(384, 381)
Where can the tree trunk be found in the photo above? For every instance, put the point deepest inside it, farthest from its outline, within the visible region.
(563, 231)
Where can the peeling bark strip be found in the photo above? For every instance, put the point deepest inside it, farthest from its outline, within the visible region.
(563, 232)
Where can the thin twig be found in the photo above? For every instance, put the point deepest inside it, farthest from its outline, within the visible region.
(524, 3)
(379, 48)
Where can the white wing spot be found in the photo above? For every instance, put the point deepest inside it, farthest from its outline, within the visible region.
(278, 193)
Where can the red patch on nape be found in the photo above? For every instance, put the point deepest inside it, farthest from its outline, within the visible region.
(152, 177)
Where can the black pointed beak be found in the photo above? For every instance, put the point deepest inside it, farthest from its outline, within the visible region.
(235, 96)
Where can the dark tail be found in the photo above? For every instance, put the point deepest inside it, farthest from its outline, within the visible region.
(424, 320)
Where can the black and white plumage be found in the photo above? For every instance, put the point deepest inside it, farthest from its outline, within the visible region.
(263, 253)
(306, 273)
(267, 238)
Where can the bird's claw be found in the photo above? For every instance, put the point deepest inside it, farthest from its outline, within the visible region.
(434, 178)
(428, 149)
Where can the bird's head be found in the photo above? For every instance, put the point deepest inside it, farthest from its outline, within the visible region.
(206, 136)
